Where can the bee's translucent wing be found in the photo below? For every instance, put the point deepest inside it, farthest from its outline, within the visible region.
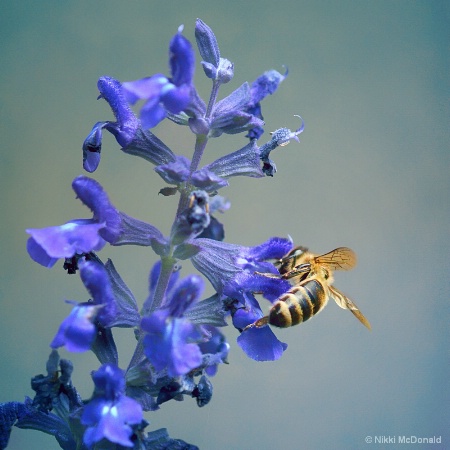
(341, 258)
(345, 303)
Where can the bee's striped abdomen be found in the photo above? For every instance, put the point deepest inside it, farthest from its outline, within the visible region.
(298, 304)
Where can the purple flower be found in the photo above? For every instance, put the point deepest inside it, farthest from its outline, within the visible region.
(124, 129)
(47, 245)
(171, 341)
(78, 331)
(260, 344)
(232, 270)
(110, 412)
(230, 115)
(264, 85)
(162, 94)
(220, 262)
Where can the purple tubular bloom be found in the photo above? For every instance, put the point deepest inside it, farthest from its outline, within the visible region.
(182, 60)
(47, 245)
(96, 280)
(231, 269)
(110, 412)
(77, 331)
(264, 85)
(162, 94)
(96, 199)
(220, 262)
(124, 129)
(171, 341)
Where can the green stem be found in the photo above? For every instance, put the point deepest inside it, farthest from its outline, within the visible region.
(167, 266)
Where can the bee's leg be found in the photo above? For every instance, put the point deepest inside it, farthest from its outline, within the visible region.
(268, 275)
(297, 270)
(258, 323)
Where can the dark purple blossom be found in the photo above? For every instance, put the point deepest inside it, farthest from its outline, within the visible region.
(162, 94)
(47, 245)
(110, 413)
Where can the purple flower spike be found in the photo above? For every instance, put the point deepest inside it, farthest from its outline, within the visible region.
(110, 412)
(162, 94)
(47, 245)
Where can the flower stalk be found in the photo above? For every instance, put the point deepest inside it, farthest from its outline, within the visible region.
(179, 344)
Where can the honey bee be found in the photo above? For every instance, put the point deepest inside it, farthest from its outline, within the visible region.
(312, 279)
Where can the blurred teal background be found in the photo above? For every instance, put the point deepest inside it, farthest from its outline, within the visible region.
(371, 81)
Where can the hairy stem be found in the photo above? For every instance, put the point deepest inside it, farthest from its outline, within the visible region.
(167, 266)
